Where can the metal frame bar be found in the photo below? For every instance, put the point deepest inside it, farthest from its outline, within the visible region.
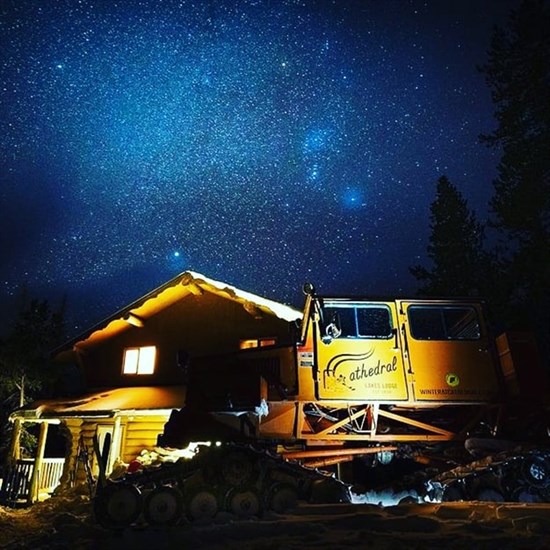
(371, 412)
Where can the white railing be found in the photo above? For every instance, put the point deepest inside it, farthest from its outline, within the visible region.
(50, 475)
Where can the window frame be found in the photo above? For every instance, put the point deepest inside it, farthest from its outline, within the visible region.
(356, 306)
(144, 365)
(448, 337)
(260, 342)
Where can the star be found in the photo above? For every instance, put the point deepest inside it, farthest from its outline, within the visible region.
(255, 142)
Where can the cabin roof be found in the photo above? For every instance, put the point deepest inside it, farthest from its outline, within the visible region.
(184, 284)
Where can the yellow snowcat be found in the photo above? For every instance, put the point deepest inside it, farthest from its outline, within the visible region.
(364, 384)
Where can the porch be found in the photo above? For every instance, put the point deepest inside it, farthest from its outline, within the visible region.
(28, 480)
(23, 483)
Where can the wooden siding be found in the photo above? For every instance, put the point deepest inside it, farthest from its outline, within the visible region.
(141, 433)
(72, 434)
(199, 325)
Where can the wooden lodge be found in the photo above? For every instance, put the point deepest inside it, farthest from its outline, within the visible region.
(132, 367)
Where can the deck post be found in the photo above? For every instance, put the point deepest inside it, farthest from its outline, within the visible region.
(115, 444)
(35, 485)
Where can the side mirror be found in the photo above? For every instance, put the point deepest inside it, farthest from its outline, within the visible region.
(332, 331)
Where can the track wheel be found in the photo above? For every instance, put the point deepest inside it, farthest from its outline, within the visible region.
(489, 494)
(203, 505)
(536, 471)
(163, 506)
(282, 498)
(453, 493)
(244, 502)
(526, 494)
(237, 469)
(118, 506)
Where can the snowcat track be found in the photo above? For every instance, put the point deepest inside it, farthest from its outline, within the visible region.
(235, 479)
(504, 477)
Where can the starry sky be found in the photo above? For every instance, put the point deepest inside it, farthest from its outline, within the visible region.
(262, 143)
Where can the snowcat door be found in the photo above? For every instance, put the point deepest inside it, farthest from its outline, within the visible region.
(449, 352)
(358, 352)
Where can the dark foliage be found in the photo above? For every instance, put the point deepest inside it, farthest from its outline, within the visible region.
(25, 372)
(515, 276)
(518, 73)
(455, 248)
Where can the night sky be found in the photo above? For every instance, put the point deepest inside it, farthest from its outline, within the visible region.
(261, 143)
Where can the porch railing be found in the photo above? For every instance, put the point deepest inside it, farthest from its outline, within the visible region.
(16, 483)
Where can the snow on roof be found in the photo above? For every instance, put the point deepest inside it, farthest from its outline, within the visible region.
(107, 402)
(184, 284)
(282, 311)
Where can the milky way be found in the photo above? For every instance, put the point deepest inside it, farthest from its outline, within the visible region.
(261, 143)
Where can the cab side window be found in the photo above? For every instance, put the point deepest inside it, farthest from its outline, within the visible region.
(360, 321)
(444, 323)
(374, 322)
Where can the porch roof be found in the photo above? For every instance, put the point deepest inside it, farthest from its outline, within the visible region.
(106, 402)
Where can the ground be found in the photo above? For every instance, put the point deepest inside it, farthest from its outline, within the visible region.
(64, 522)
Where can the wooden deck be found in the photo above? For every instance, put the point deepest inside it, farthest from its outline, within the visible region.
(16, 489)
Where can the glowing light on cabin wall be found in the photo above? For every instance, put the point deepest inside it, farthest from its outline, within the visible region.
(139, 360)
(131, 357)
(257, 343)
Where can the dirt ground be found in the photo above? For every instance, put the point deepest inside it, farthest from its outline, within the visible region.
(66, 522)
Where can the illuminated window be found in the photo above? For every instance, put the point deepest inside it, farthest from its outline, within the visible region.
(257, 343)
(139, 360)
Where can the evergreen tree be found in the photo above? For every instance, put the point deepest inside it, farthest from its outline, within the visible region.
(455, 248)
(25, 353)
(25, 373)
(518, 73)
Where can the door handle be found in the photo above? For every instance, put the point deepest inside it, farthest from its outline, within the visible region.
(406, 348)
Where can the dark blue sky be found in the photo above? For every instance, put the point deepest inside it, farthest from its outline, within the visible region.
(262, 143)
